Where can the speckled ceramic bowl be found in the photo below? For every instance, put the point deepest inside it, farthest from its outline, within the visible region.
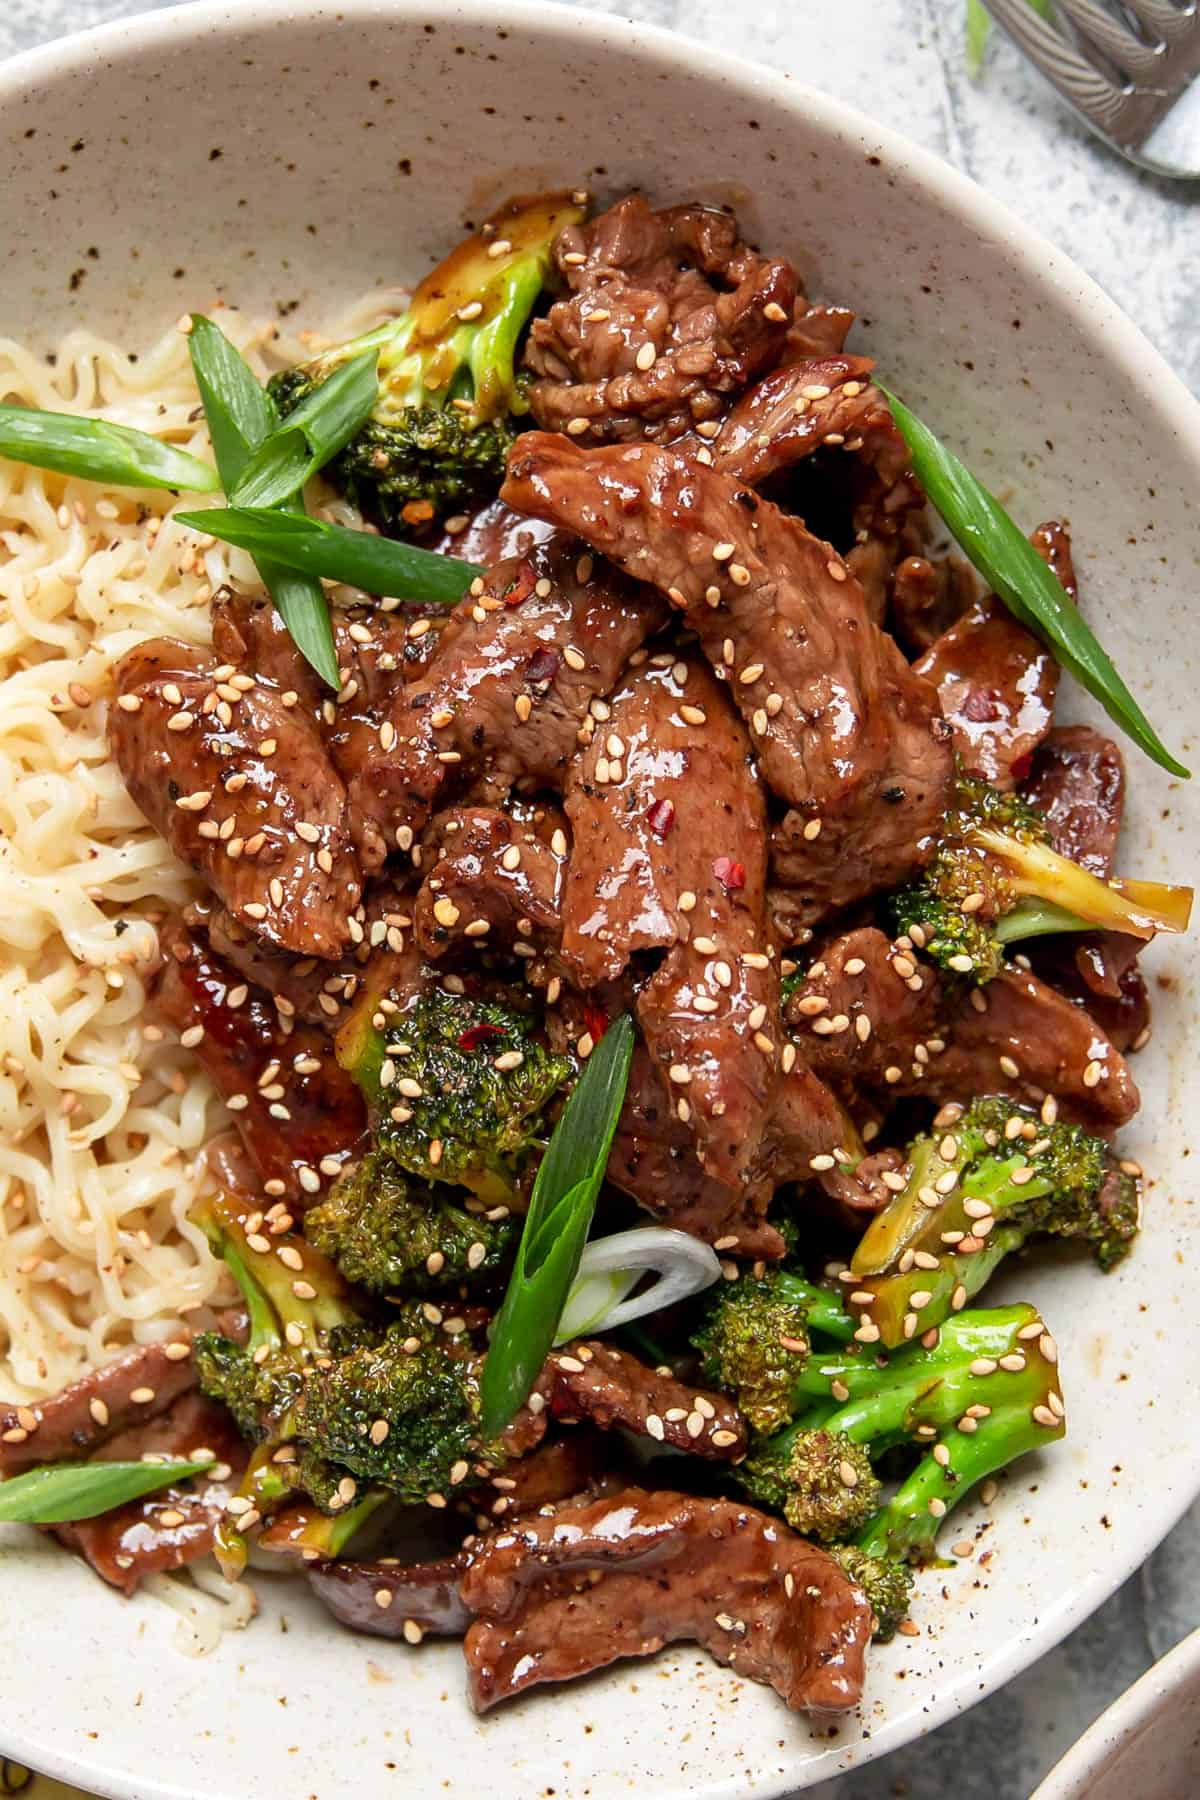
(1146, 1746)
(276, 151)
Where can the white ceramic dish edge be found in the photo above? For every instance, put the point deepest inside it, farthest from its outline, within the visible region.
(1118, 1755)
(1071, 292)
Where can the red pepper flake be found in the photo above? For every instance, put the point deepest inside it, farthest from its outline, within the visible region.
(477, 1035)
(1021, 766)
(596, 1020)
(660, 817)
(730, 874)
(417, 512)
(521, 585)
(542, 666)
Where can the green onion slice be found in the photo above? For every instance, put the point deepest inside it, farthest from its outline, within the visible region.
(58, 1493)
(556, 1227)
(96, 450)
(1030, 590)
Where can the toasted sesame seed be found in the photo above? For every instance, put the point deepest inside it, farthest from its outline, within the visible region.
(847, 1473)
(1009, 1067)
(646, 357)
(571, 1364)
(723, 1439)
(1043, 1416)
(445, 911)
(937, 1508)
(98, 1410)
(508, 1059)
(983, 1365)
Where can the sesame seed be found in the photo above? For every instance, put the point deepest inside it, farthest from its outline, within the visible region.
(98, 1410)
(723, 1439)
(655, 1427)
(509, 1059)
(848, 1474)
(937, 1508)
(1043, 1416)
(749, 675)
(680, 1074)
(1009, 1067)
(1092, 1074)
(523, 706)
(445, 911)
(820, 1164)
(983, 1365)
(646, 357)
(477, 928)
(571, 1364)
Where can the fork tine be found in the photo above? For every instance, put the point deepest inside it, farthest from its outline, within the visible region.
(1075, 78)
(1136, 59)
(1169, 23)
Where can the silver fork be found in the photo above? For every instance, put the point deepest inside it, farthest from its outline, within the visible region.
(1129, 68)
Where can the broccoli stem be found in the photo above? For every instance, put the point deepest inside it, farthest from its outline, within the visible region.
(907, 1526)
(826, 1314)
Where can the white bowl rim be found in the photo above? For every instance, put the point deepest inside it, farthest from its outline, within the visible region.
(1130, 1712)
(1069, 290)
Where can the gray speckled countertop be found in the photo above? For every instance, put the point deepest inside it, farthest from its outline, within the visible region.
(902, 60)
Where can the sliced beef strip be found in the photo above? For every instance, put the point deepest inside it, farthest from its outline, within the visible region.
(654, 1160)
(504, 697)
(669, 853)
(996, 682)
(176, 1525)
(668, 315)
(926, 596)
(820, 403)
(844, 732)
(623, 1575)
(301, 1117)
(1078, 783)
(304, 987)
(1052, 542)
(594, 1380)
(388, 1596)
(950, 1042)
(491, 535)
(996, 685)
(488, 868)
(1099, 970)
(383, 1596)
(376, 658)
(243, 789)
(819, 330)
(138, 1385)
(551, 1473)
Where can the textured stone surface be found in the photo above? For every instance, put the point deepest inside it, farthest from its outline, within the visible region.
(902, 61)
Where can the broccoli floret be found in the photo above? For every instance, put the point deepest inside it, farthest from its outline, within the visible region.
(260, 1380)
(754, 1340)
(820, 1471)
(385, 1232)
(821, 1481)
(457, 1088)
(994, 880)
(402, 1410)
(448, 388)
(886, 1583)
(1010, 1177)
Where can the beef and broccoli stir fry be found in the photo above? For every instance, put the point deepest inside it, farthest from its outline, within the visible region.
(709, 883)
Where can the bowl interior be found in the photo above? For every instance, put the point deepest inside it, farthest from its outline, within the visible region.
(278, 159)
